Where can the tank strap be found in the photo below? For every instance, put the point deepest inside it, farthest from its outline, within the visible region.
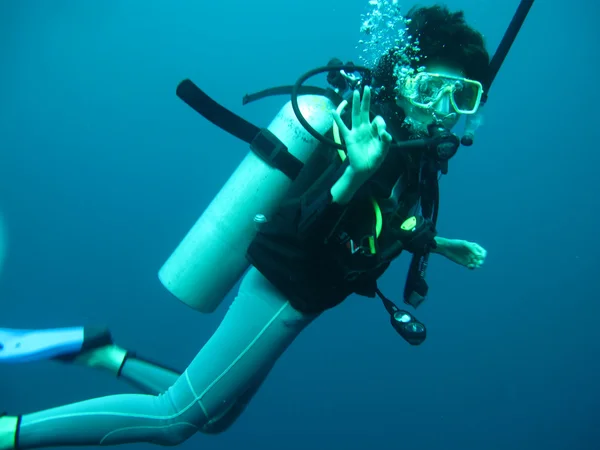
(271, 150)
(287, 90)
(262, 142)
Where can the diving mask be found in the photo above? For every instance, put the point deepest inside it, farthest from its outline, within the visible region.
(426, 89)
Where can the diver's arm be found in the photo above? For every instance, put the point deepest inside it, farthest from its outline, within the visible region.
(367, 144)
(347, 186)
(464, 253)
(321, 211)
(441, 245)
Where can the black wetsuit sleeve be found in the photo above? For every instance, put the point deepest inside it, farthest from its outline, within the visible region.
(319, 214)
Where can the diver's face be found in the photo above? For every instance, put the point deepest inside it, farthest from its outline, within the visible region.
(441, 111)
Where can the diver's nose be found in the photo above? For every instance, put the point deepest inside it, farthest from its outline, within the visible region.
(443, 105)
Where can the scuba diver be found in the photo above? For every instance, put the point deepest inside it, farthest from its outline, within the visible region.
(325, 200)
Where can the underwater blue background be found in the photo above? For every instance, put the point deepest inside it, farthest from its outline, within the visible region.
(103, 170)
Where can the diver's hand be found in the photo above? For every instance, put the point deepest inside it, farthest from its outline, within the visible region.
(367, 142)
(464, 253)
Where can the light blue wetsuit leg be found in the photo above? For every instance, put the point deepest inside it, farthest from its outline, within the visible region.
(210, 394)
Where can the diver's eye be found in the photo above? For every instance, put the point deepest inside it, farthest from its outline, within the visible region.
(426, 89)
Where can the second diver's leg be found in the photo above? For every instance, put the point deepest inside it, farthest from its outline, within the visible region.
(148, 376)
(256, 330)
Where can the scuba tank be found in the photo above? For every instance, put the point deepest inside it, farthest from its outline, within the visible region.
(211, 258)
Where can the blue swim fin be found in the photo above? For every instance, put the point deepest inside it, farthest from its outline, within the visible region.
(17, 346)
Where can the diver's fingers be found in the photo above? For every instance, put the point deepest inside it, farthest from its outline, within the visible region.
(340, 123)
(378, 126)
(386, 137)
(355, 108)
(479, 250)
(365, 106)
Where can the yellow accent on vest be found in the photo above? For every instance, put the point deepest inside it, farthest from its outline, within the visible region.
(343, 156)
(409, 224)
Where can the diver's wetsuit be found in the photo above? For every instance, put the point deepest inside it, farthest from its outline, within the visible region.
(259, 326)
(208, 396)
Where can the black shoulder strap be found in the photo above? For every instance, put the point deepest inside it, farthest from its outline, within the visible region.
(262, 142)
(225, 119)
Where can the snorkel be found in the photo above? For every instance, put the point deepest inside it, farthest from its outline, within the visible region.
(474, 121)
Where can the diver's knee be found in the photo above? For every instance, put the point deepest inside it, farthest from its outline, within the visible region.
(177, 433)
(177, 425)
(225, 420)
(217, 427)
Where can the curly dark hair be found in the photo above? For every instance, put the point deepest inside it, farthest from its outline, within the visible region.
(443, 37)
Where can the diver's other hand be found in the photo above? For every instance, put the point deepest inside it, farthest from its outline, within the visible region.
(367, 143)
(465, 253)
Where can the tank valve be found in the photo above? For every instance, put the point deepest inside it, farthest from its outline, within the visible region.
(259, 221)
